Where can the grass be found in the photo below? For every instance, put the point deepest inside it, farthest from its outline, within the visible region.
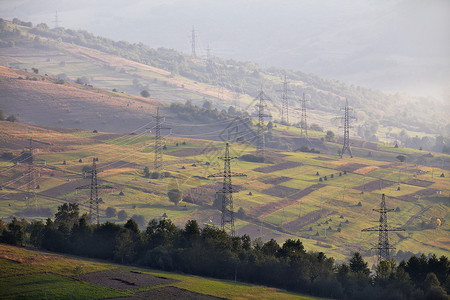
(148, 197)
(25, 275)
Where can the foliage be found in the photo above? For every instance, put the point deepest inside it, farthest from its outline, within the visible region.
(212, 252)
(329, 136)
(11, 118)
(175, 196)
(122, 215)
(145, 93)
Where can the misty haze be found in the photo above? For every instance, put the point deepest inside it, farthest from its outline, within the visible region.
(198, 149)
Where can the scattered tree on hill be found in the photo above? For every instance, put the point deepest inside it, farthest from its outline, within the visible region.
(401, 158)
(122, 215)
(11, 118)
(330, 136)
(145, 93)
(2, 115)
(147, 172)
(175, 196)
(110, 212)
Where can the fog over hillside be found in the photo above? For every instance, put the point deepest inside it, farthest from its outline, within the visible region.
(398, 46)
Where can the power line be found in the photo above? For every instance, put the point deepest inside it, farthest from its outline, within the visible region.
(193, 42)
(159, 141)
(285, 101)
(227, 220)
(347, 117)
(260, 144)
(383, 248)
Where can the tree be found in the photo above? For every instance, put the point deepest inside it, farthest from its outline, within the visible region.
(358, 265)
(67, 214)
(207, 105)
(2, 115)
(270, 126)
(11, 118)
(14, 235)
(401, 158)
(122, 215)
(110, 212)
(138, 219)
(147, 172)
(145, 93)
(330, 136)
(175, 196)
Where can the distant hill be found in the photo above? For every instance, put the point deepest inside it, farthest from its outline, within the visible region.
(172, 76)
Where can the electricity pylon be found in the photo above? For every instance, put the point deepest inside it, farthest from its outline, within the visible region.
(159, 144)
(93, 199)
(285, 101)
(303, 120)
(31, 176)
(193, 42)
(227, 220)
(347, 117)
(260, 143)
(383, 248)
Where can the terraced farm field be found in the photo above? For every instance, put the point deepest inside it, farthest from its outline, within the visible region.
(322, 199)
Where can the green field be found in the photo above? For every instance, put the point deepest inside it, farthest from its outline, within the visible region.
(29, 274)
(122, 159)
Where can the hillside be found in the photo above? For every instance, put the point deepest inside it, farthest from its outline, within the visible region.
(174, 77)
(280, 199)
(26, 274)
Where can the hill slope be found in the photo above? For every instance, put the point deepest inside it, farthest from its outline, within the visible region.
(282, 198)
(26, 275)
(171, 76)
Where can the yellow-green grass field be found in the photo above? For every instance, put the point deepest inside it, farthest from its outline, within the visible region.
(30, 274)
(122, 159)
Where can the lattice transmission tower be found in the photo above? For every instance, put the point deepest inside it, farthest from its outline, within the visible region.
(31, 177)
(261, 106)
(383, 247)
(193, 46)
(347, 117)
(159, 143)
(226, 193)
(304, 118)
(94, 200)
(285, 101)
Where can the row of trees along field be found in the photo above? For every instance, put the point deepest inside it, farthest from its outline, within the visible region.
(212, 252)
(399, 110)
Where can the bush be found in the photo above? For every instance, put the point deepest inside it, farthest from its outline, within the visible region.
(122, 215)
(11, 118)
(140, 220)
(111, 212)
(145, 94)
(155, 175)
(7, 155)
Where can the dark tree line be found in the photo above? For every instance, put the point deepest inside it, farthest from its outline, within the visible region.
(212, 252)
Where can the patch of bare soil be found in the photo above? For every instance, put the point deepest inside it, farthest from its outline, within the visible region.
(65, 188)
(108, 136)
(124, 280)
(191, 151)
(351, 167)
(307, 219)
(169, 292)
(119, 164)
(413, 197)
(322, 158)
(276, 180)
(280, 191)
(278, 167)
(375, 185)
(418, 182)
(268, 208)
